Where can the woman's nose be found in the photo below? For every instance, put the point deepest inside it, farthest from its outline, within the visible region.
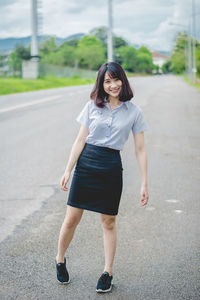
(113, 85)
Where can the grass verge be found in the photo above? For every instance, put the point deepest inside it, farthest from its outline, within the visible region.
(19, 85)
(191, 83)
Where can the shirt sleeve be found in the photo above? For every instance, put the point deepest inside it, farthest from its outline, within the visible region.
(139, 124)
(83, 116)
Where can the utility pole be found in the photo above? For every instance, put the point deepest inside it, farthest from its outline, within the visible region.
(189, 59)
(34, 28)
(110, 41)
(189, 51)
(194, 41)
(30, 67)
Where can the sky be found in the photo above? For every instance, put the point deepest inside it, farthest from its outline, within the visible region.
(143, 22)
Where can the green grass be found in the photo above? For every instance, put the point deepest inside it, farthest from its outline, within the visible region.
(18, 85)
(191, 83)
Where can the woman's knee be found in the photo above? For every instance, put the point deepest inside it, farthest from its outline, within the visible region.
(108, 222)
(71, 222)
(73, 217)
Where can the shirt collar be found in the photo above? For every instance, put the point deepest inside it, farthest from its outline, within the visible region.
(124, 103)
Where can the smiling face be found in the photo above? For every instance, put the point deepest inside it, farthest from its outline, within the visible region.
(112, 86)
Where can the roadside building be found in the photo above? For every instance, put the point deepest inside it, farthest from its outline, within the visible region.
(159, 59)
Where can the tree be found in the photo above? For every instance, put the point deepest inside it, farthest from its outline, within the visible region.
(134, 60)
(119, 42)
(127, 57)
(1, 60)
(48, 46)
(144, 50)
(198, 57)
(68, 55)
(23, 53)
(90, 52)
(15, 59)
(144, 60)
(14, 62)
(178, 62)
(178, 58)
(180, 42)
(64, 56)
(101, 34)
(72, 43)
(144, 63)
(166, 67)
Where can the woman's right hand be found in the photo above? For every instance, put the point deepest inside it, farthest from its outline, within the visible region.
(65, 178)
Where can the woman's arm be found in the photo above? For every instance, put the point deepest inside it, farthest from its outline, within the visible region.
(76, 150)
(141, 156)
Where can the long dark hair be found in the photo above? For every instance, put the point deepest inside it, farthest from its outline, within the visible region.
(114, 70)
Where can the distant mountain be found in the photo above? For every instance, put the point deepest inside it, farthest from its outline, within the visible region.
(151, 49)
(10, 43)
(167, 53)
(59, 41)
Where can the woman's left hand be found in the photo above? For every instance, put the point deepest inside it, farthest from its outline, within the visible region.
(144, 195)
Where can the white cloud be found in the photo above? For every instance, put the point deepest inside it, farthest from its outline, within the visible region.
(63, 23)
(139, 21)
(14, 18)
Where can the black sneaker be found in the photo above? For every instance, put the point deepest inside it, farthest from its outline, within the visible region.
(104, 283)
(62, 273)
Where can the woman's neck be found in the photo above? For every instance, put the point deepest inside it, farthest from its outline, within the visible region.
(113, 100)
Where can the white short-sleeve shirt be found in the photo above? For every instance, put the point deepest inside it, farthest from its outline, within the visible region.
(111, 127)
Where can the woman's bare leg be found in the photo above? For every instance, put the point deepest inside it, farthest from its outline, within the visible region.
(110, 240)
(72, 218)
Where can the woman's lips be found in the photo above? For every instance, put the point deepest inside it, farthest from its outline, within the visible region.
(114, 91)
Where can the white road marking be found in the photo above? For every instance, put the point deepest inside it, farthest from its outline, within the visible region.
(30, 103)
(140, 241)
(150, 208)
(178, 211)
(172, 200)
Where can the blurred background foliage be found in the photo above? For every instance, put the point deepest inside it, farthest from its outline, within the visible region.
(178, 63)
(90, 51)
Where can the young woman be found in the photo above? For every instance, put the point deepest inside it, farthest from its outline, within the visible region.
(106, 121)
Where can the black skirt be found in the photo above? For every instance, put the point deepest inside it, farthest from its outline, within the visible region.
(97, 180)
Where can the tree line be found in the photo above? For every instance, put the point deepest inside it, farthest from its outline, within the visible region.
(178, 62)
(88, 52)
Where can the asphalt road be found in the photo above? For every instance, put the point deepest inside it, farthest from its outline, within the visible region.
(158, 245)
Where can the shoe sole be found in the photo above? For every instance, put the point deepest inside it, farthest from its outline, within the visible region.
(63, 282)
(105, 291)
